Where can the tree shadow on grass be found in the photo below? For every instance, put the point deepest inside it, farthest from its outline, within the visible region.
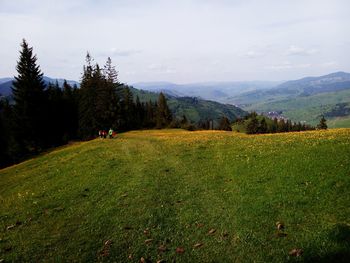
(340, 235)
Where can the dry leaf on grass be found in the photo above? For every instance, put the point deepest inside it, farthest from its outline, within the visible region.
(296, 252)
(180, 250)
(10, 227)
(279, 225)
(197, 245)
(162, 248)
(212, 231)
(147, 241)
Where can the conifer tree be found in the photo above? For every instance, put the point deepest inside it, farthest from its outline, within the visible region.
(3, 136)
(253, 125)
(70, 111)
(164, 115)
(29, 111)
(108, 95)
(126, 116)
(55, 111)
(225, 124)
(263, 126)
(87, 102)
(323, 124)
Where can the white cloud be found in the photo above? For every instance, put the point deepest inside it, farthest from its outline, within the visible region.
(252, 54)
(330, 64)
(189, 40)
(161, 69)
(286, 65)
(299, 51)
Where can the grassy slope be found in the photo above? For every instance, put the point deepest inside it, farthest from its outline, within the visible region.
(307, 108)
(72, 200)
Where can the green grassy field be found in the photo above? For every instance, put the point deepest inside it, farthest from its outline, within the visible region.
(181, 196)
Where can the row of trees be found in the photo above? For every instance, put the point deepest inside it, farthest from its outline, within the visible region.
(258, 124)
(43, 116)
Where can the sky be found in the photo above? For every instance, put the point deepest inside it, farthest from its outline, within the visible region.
(182, 41)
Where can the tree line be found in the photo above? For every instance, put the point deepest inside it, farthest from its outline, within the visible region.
(43, 116)
(254, 123)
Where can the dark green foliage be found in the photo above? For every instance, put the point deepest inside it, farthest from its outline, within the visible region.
(253, 124)
(224, 124)
(259, 124)
(54, 128)
(263, 126)
(87, 102)
(105, 103)
(70, 111)
(164, 116)
(206, 124)
(4, 134)
(323, 124)
(30, 109)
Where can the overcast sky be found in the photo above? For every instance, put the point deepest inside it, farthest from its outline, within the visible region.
(180, 41)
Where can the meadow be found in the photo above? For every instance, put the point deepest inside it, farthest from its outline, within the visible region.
(174, 195)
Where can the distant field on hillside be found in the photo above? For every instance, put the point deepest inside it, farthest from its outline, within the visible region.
(308, 108)
(206, 196)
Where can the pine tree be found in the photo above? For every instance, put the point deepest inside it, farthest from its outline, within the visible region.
(109, 95)
(110, 72)
(263, 126)
(126, 114)
(274, 126)
(30, 115)
(70, 111)
(323, 124)
(55, 111)
(224, 124)
(150, 114)
(253, 125)
(88, 125)
(3, 136)
(164, 116)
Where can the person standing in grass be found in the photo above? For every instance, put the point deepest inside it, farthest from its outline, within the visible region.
(110, 133)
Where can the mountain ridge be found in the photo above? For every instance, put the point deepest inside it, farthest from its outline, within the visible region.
(6, 84)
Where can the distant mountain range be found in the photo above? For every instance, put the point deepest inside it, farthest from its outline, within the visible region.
(217, 91)
(305, 99)
(295, 88)
(6, 84)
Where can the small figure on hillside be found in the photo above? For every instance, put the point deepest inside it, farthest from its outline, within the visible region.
(110, 133)
(104, 134)
(100, 134)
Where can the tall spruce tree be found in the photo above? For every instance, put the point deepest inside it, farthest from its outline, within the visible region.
(70, 111)
(108, 99)
(87, 102)
(225, 124)
(164, 116)
(29, 112)
(323, 124)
